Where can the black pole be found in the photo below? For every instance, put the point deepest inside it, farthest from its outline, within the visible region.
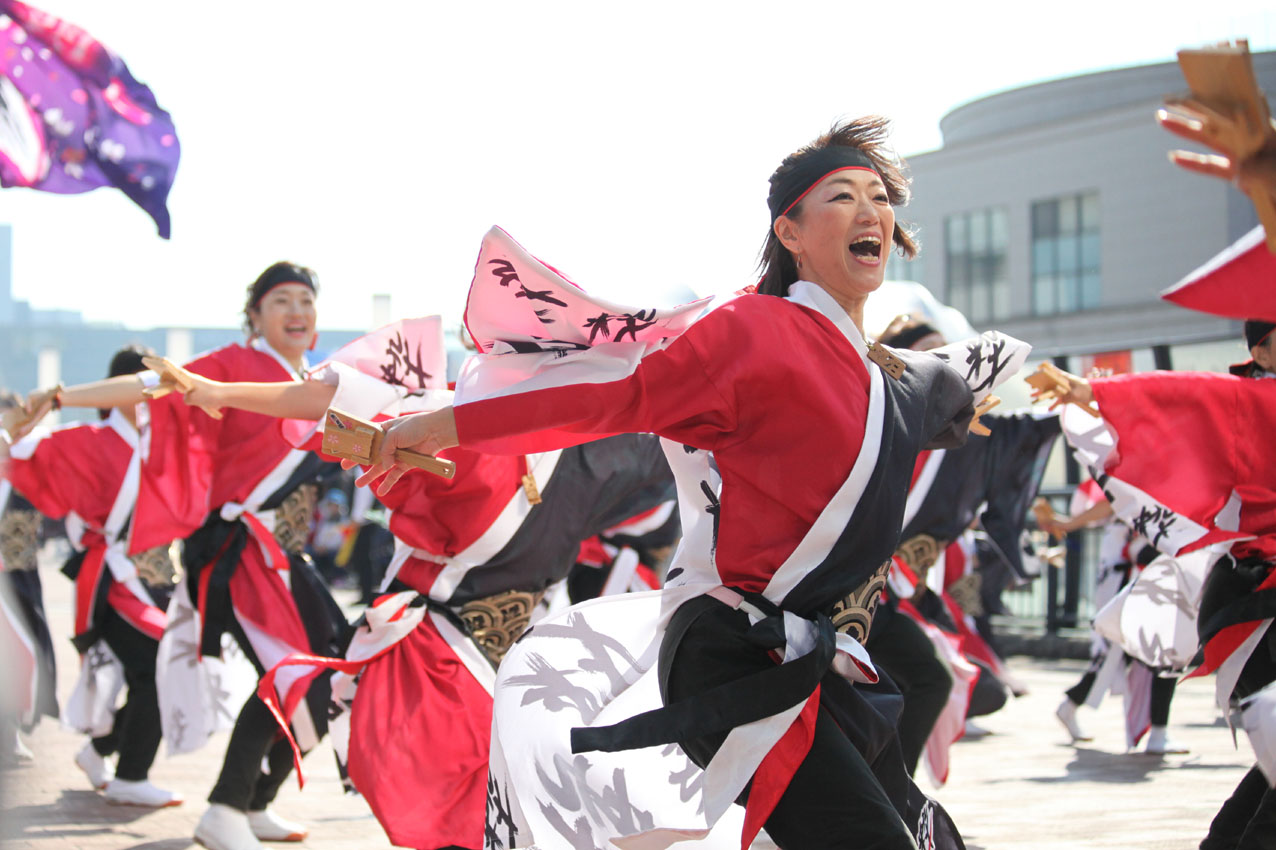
(1063, 612)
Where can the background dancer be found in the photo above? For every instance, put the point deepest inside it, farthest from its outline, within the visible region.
(91, 472)
(22, 605)
(245, 570)
(991, 479)
(717, 389)
(1221, 490)
(1122, 554)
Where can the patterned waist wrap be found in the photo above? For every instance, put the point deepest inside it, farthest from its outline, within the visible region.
(853, 613)
(19, 538)
(295, 517)
(158, 567)
(920, 552)
(495, 622)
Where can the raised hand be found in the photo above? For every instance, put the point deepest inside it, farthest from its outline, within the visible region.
(1050, 383)
(1198, 124)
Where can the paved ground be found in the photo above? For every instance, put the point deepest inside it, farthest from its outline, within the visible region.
(1021, 787)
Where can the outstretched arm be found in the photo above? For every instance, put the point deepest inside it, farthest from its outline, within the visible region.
(112, 392)
(1096, 513)
(283, 400)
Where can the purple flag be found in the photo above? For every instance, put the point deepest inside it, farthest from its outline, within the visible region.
(72, 118)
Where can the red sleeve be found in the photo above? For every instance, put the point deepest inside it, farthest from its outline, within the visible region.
(69, 470)
(177, 471)
(1180, 434)
(685, 392)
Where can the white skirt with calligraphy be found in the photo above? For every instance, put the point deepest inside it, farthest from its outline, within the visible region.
(578, 669)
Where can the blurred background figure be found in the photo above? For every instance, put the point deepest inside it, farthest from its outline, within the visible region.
(332, 529)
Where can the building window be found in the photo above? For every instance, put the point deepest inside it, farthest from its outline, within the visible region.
(899, 268)
(1065, 254)
(975, 247)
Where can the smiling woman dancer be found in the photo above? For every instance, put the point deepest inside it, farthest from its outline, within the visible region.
(813, 442)
(243, 490)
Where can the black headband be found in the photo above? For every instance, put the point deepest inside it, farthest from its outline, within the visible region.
(1256, 332)
(789, 188)
(277, 274)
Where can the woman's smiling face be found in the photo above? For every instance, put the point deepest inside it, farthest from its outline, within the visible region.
(286, 317)
(842, 233)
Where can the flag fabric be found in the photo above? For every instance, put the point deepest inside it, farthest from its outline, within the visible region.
(397, 369)
(562, 335)
(1237, 283)
(73, 118)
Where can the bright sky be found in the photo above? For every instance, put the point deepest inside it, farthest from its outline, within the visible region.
(628, 145)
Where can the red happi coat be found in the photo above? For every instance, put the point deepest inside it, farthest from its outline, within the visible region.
(714, 388)
(199, 468)
(82, 473)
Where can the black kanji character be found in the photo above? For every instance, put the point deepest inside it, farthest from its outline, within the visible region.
(713, 509)
(1155, 520)
(401, 366)
(598, 325)
(505, 271)
(538, 295)
(635, 322)
(975, 358)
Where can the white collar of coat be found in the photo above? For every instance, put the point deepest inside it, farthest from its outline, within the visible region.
(259, 343)
(813, 296)
(121, 426)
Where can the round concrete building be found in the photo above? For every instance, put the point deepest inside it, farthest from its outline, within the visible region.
(1052, 214)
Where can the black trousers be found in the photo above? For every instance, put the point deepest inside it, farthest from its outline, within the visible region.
(1247, 820)
(988, 695)
(900, 647)
(242, 784)
(1162, 695)
(833, 801)
(136, 733)
(255, 740)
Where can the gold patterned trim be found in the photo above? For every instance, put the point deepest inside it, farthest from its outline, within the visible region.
(495, 622)
(853, 614)
(295, 517)
(19, 539)
(920, 552)
(158, 567)
(965, 591)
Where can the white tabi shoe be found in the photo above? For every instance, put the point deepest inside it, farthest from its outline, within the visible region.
(974, 731)
(224, 828)
(1159, 743)
(20, 753)
(96, 768)
(127, 792)
(1067, 714)
(268, 826)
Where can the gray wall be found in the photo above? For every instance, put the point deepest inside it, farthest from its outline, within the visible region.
(1065, 137)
